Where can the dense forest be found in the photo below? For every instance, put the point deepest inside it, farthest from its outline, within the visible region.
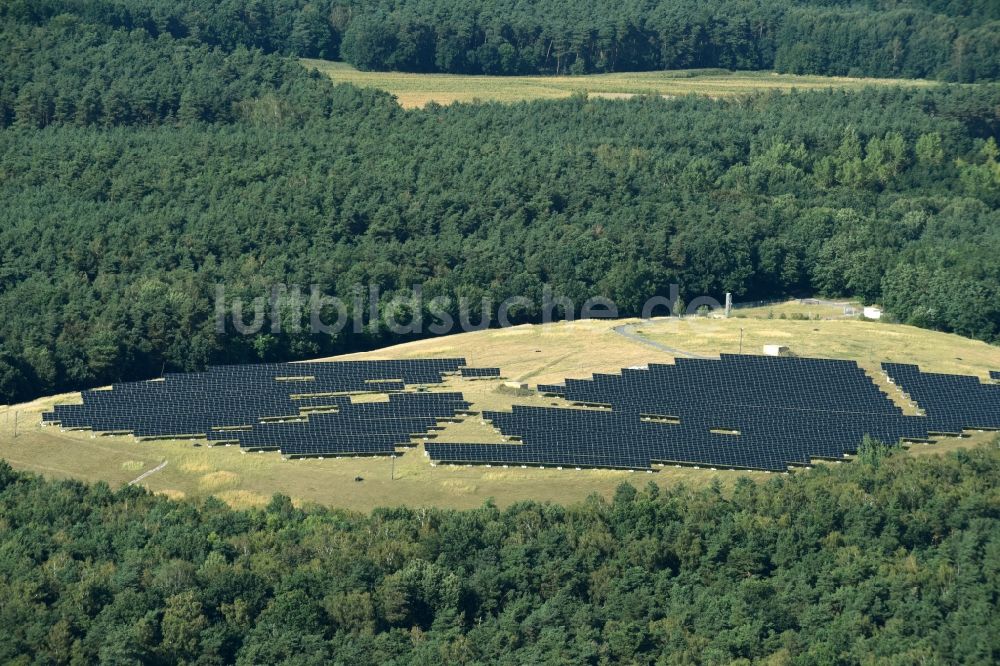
(152, 151)
(957, 40)
(891, 560)
(139, 172)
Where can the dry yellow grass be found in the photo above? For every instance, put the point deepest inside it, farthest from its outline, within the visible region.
(527, 353)
(196, 467)
(534, 354)
(417, 90)
(243, 498)
(867, 342)
(216, 481)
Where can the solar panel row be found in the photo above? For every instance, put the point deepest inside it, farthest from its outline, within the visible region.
(952, 402)
(480, 372)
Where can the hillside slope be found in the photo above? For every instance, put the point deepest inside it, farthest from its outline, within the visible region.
(530, 354)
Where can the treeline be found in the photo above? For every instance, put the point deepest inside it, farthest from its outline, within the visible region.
(119, 219)
(290, 27)
(907, 43)
(561, 37)
(74, 73)
(891, 559)
(946, 39)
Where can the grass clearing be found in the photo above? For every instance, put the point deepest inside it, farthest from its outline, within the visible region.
(525, 353)
(417, 90)
(867, 342)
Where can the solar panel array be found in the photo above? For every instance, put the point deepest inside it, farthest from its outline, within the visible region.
(761, 382)
(741, 411)
(217, 402)
(752, 412)
(995, 374)
(366, 428)
(480, 372)
(589, 438)
(952, 402)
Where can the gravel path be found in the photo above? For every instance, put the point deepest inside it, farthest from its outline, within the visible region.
(142, 476)
(628, 331)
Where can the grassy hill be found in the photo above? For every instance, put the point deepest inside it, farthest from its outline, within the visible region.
(416, 90)
(529, 354)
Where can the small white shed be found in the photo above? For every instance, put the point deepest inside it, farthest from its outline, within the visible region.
(775, 350)
(872, 312)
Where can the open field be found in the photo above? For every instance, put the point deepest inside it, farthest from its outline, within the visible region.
(526, 353)
(416, 90)
(867, 342)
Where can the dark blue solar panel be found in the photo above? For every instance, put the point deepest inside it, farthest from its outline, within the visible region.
(480, 372)
(952, 402)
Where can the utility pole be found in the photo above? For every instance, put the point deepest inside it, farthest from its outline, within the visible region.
(15, 424)
(392, 473)
(741, 339)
